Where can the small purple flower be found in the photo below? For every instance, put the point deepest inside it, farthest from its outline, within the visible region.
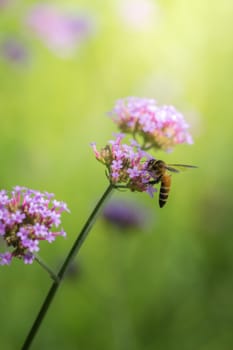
(32, 245)
(115, 176)
(5, 258)
(40, 230)
(28, 258)
(117, 164)
(126, 164)
(151, 190)
(3, 197)
(26, 218)
(17, 217)
(133, 172)
(160, 127)
(61, 31)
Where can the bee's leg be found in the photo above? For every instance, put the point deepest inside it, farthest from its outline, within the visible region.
(154, 182)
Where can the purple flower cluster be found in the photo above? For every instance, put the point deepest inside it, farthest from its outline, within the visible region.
(161, 127)
(126, 164)
(26, 218)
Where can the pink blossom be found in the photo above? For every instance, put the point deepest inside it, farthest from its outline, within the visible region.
(26, 218)
(126, 164)
(160, 127)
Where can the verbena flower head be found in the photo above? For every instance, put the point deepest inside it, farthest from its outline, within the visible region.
(26, 218)
(126, 164)
(161, 127)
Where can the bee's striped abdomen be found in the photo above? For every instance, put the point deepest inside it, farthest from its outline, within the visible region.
(164, 189)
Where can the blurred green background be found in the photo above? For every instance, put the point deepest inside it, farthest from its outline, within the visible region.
(169, 286)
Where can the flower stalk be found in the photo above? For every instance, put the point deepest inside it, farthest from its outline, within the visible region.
(69, 259)
(46, 267)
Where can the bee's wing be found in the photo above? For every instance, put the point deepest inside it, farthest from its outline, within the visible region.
(176, 168)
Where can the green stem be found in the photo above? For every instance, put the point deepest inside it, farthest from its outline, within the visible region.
(46, 267)
(70, 257)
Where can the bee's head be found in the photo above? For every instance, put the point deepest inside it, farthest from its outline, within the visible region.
(153, 164)
(160, 164)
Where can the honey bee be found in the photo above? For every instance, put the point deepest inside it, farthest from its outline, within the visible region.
(158, 169)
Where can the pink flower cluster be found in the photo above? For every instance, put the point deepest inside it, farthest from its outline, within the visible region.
(126, 164)
(26, 218)
(160, 127)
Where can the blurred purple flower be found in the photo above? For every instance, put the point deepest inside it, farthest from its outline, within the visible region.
(4, 3)
(74, 271)
(125, 215)
(26, 218)
(160, 127)
(14, 51)
(60, 30)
